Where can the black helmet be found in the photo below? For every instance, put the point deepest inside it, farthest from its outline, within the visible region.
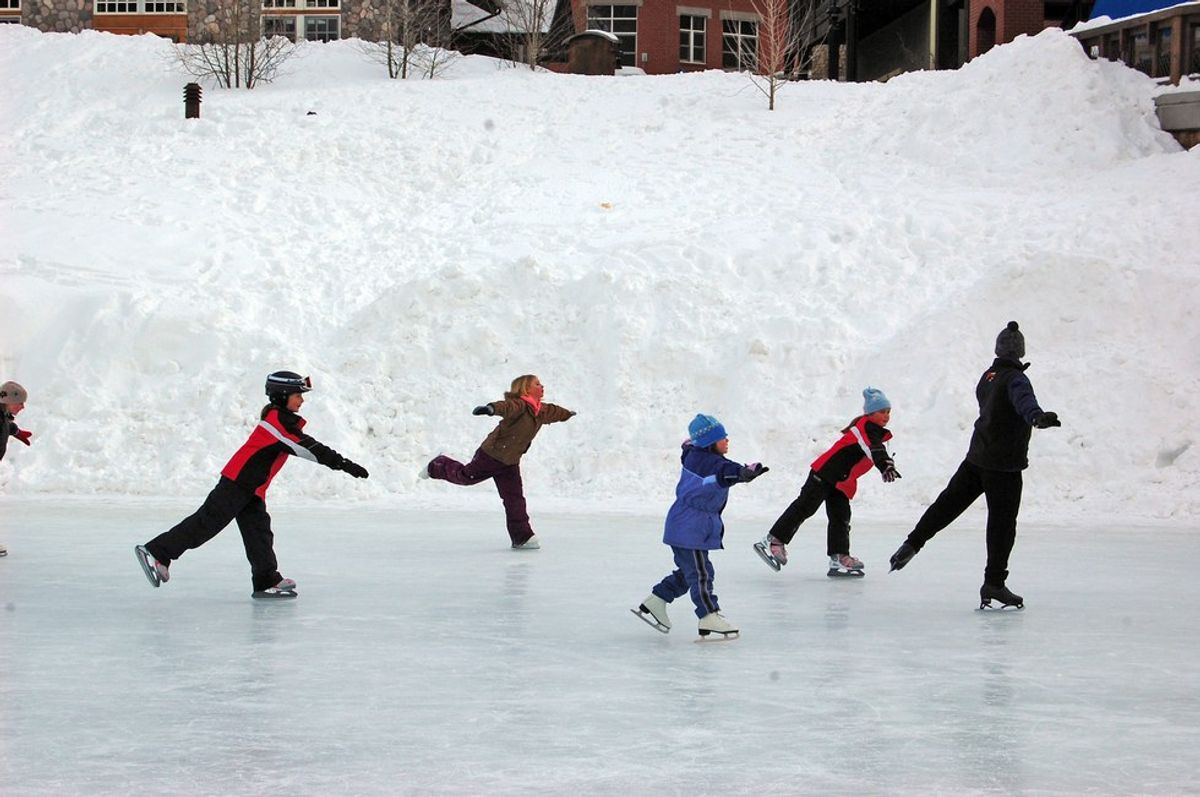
(282, 384)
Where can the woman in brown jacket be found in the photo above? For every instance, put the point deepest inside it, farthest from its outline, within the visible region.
(522, 414)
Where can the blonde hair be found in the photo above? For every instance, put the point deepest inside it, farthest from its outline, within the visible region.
(520, 386)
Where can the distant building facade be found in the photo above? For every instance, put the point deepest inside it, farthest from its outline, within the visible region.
(1163, 44)
(194, 20)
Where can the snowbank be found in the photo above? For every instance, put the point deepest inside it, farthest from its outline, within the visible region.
(651, 247)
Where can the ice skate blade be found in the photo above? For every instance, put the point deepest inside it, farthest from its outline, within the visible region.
(765, 555)
(986, 606)
(648, 618)
(274, 595)
(845, 573)
(716, 636)
(151, 575)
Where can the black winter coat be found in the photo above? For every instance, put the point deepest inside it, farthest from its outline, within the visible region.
(1007, 410)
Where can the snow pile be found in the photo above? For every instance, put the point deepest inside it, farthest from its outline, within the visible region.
(651, 247)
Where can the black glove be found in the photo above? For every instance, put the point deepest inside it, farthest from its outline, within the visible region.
(483, 409)
(750, 472)
(1046, 420)
(354, 469)
(890, 474)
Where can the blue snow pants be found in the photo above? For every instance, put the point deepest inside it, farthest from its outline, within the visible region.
(695, 575)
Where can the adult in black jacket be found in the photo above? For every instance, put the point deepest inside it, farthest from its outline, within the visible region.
(1008, 411)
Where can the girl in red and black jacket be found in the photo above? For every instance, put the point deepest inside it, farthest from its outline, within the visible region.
(241, 492)
(833, 481)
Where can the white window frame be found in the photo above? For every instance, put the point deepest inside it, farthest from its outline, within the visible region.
(302, 21)
(595, 21)
(738, 38)
(307, 5)
(293, 19)
(697, 38)
(10, 5)
(302, 30)
(152, 7)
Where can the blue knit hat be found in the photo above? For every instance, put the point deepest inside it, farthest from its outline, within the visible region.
(704, 430)
(874, 401)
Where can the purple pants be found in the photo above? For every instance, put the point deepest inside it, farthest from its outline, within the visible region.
(508, 484)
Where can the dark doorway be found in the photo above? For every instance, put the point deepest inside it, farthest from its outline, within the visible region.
(985, 31)
(951, 28)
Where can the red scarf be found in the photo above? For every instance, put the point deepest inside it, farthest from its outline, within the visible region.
(531, 401)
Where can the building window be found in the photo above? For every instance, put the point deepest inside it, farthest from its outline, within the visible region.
(621, 21)
(1194, 67)
(321, 29)
(739, 44)
(303, 27)
(1112, 47)
(1143, 59)
(279, 4)
(1162, 60)
(141, 7)
(691, 39)
(10, 5)
(279, 26)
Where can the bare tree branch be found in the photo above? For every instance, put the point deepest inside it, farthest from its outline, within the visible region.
(231, 50)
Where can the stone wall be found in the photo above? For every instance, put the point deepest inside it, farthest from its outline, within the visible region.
(59, 16)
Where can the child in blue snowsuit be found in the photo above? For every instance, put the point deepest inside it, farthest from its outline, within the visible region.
(694, 527)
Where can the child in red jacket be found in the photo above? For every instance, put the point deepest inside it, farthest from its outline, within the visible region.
(12, 401)
(833, 481)
(241, 492)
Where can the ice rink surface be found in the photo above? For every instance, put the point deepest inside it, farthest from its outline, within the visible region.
(425, 657)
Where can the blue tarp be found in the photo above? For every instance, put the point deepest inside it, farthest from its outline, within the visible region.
(1124, 8)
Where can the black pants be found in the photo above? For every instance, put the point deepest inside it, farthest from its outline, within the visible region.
(228, 501)
(1003, 492)
(837, 507)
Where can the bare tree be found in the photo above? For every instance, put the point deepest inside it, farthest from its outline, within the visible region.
(786, 36)
(408, 36)
(535, 30)
(230, 48)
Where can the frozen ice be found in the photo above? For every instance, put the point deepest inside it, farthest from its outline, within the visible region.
(426, 657)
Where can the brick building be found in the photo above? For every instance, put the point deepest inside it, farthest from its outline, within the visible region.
(993, 22)
(191, 20)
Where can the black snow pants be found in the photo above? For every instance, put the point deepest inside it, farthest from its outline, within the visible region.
(837, 508)
(228, 501)
(1002, 490)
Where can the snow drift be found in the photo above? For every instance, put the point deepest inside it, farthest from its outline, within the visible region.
(652, 247)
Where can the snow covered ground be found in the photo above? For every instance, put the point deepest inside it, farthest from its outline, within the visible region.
(651, 247)
(399, 671)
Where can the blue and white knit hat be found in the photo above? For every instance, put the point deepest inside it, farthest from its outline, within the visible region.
(704, 430)
(874, 401)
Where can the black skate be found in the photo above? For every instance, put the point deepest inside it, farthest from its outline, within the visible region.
(284, 590)
(902, 556)
(274, 594)
(1008, 599)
